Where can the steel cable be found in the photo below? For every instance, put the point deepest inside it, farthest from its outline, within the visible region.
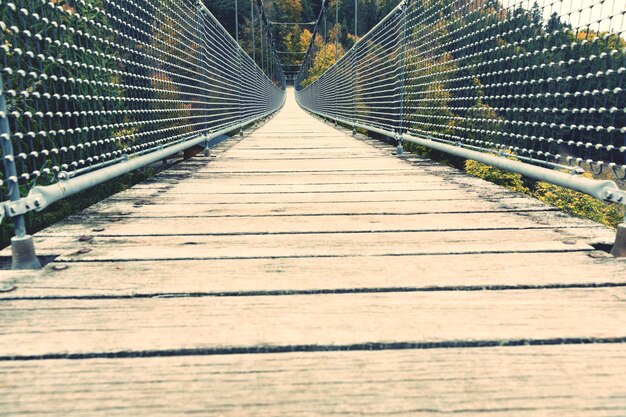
(89, 84)
(539, 82)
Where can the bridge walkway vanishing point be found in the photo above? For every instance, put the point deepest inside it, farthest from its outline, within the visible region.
(300, 271)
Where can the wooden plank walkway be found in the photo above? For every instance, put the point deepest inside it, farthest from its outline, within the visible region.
(302, 272)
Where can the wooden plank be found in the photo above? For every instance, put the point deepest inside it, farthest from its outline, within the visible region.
(278, 179)
(260, 168)
(273, 141)
(389, 164)
(44, 327)
(119, 248)
(143, 196)
(206, 187)
(233, 158)
(300, 224)
(380, 183)
(246, 150)
(270, 275)
(572, 381)
(109, 208)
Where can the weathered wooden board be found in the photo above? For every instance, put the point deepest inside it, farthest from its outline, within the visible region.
(259, 168)
(124, 248)
(378, 183)
(143, 196)
(43, 327)
(280, 179)
(360, 164)
(572, 381)
(302, 224)
(196, 165)
(239, 246)
(271, 275)
(287, 159)
(205, 187)
(110, 208)
(320, 151)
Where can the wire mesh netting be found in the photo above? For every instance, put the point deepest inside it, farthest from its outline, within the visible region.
(539, 80)
(89, 83)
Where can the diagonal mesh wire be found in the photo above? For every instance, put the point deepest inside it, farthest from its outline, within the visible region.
(89, 83)
(542, 81)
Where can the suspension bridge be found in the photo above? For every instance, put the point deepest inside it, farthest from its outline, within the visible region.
(295, 264)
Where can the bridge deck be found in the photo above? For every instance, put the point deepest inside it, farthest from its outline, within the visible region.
(302, 271)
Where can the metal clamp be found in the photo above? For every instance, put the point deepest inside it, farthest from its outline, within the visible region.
(614, 195)
(20, 207)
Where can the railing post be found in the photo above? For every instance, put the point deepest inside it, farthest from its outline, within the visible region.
(252, 26)
(202, 27)
(619, 247)
(402, 74)
(336, 58)
(22, 245)
(325, 36)
(241, 115)
(239, 64)
(354, 76)
(336, 31)
(261, 40)
(356, 20)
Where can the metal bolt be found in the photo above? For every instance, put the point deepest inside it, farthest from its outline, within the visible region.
(59, 267)
(7, 288)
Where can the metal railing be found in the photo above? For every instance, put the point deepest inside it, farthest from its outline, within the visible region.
(534, 89)
(90, 90)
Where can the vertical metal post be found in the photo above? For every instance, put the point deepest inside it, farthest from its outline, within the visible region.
(336, 56)
(325, 35)
(239, 64)
(22, 245)
(619, 247)
(240, 101)
(354, 77)
(356, 19)
(237, 21)
(402, 74)
(336, 30)
(202, 27)
(266, 52)
(270, 58)
(356, 34)
(261, 40)
(252, 25)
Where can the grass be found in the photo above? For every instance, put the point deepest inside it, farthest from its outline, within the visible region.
(576, 203)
